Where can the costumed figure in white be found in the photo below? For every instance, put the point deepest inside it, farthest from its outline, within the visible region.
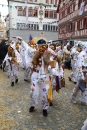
(14, 59)
(81, 76)
(40, 77)
(29, 52)
(74, 57)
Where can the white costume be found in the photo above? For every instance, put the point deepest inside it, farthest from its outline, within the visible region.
(13, 66)
(39, 86)
(74, 55)
(29, 52)
(81, 70)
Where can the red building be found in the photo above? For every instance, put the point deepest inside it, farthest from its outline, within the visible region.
(72, 23)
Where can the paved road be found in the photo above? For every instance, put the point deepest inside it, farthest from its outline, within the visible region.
(14, 108)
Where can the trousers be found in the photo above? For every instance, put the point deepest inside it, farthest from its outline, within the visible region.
(38, 90)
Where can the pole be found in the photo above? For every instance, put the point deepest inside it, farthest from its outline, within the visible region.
(26, 12)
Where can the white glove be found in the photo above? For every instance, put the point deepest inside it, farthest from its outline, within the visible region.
(19, 38)
(49, 68)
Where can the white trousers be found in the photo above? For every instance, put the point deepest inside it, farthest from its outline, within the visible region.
(13, 70)
(38, 90)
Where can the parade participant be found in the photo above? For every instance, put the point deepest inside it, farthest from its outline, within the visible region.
(29, 52)
(81, 74)
(56, 75)
(39, 77)
(67, 58)
(74, 57)
(14, 59)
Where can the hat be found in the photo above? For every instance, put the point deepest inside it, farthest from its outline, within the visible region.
(41, 40)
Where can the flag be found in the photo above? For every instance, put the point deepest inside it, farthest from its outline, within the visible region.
(30, 37)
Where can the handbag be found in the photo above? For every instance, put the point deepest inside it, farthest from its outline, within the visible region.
(82, 86)
(62, 82)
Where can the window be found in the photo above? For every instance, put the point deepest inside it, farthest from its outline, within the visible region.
(21, 12)
(56, 2)
(81, 24)
(79, 3)
(44, 27)
(46, 14)
(48, 27)
(35, 13)
(70, 27)
(32, 13)
(71, 8)
(28, 26)
(51, 2)
(55, 15)
(64, 29)
(51, 14)
(54, 28)
(51, 27)
(47, 1)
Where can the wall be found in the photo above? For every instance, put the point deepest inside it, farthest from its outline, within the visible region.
(14, 18)
(25, 34)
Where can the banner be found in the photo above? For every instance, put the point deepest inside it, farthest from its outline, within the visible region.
(31, 7)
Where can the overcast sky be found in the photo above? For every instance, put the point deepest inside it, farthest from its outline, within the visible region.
(4, 9)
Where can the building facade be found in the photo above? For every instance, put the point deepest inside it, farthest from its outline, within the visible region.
(72, 23)
(3, 35)
(33, 14)
(7, 25)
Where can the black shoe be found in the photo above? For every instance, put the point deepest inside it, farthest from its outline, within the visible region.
(16, 81)
(26, 80)
(51, 104)
(45, 113)
(74, 82)
(12, 84)
(31, 109)
(69, 78)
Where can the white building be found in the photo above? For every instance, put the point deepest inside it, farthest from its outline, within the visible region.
(7, 25)
(33, 14)
(3, 35)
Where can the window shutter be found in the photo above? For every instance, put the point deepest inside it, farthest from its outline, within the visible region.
(73, 27)
(80, 1)
(67, 28)
(73, 7)
(68, 10)
(84, 23)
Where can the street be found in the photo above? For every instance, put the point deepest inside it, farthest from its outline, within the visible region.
(14, 108)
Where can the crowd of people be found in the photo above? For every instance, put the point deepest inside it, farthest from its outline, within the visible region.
(44, 63)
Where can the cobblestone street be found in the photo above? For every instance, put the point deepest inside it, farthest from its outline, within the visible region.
(14, 108)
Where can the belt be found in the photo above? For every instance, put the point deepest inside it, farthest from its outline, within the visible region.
(34, 70)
